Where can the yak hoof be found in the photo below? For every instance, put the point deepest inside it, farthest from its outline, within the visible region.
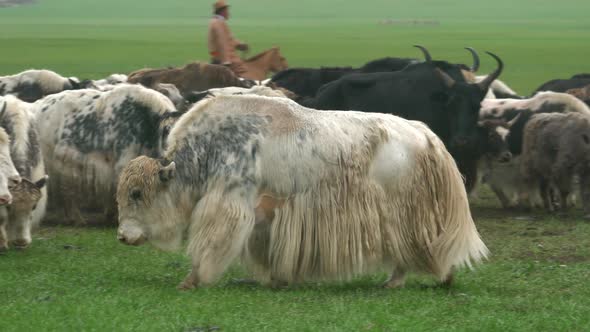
(448, 282)
(3, 249)
(248, 282)
(586, 217)
(562, 215)
(186, 286)
(394, 284)
(278, 284)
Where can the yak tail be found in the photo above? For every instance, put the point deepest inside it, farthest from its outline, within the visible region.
(454, 240)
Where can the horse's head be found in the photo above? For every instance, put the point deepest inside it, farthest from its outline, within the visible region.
(277, 60)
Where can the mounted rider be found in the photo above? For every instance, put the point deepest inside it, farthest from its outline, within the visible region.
(222, 44)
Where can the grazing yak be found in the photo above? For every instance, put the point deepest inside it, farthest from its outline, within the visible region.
(34, 84)
(562, 85)
(306, 82)
(192, 77)
(16, 218)
(556, 147)
(582, 93)
(499, 89)
(9, 179)
(18, 120)
(87, 136)
(347, 193)
(434, 92)
(504, 178)
(9, 176)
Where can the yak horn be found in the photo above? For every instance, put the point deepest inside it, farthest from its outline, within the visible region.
(447, 80)
(485, 84)
(475, 66)
(427, 56)
(513, 121)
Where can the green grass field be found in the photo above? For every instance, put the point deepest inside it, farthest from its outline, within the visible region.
(84, 280)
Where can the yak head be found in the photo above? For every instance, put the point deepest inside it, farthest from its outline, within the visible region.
(462, 104)
(493, 143)
(147, 211)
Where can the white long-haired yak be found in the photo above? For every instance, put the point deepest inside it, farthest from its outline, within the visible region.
(300, 194)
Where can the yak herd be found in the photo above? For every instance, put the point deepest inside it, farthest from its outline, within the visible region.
(314, 174)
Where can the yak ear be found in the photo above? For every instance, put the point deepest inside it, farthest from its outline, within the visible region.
(166, 173)
(42, 182)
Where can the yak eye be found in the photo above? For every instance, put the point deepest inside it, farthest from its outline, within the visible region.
(34, 207)
(135, 194)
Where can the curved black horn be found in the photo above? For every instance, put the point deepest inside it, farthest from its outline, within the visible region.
(485, 84)
(427, 56)
(475, 66)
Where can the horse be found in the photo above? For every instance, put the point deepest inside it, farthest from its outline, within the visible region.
(258, 66)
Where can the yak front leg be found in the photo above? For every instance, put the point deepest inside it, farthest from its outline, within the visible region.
(3, 223)
(221, 225)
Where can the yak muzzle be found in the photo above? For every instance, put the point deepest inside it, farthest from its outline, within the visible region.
(131, 237)
(5, 199)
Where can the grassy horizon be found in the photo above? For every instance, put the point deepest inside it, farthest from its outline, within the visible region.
(538, 41)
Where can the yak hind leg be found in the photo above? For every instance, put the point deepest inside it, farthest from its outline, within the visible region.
(71, 206)
(504, 200)
(545, 190)
(397, 279)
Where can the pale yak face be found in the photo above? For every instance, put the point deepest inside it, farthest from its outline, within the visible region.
(146, 211)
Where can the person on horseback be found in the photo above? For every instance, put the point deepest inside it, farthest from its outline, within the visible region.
(222, 44)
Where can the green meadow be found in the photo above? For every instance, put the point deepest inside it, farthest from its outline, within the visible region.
(82, 279)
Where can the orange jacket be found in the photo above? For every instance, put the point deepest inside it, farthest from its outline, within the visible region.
(222, 44)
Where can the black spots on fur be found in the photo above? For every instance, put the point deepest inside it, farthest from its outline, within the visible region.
(2, 89)
(34, 150)
(302, 135)
(548, 107)
(232, 185)
(224, 147)
(44, 109)
(131, 123)
(32, 157)
(254, 150)
(96, 97)
(29, 92)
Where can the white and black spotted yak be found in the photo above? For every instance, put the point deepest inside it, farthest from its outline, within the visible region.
(7, 170)
(34, 84)
(505, 179)
(335, 194)
(18, 121)
(88, 136)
